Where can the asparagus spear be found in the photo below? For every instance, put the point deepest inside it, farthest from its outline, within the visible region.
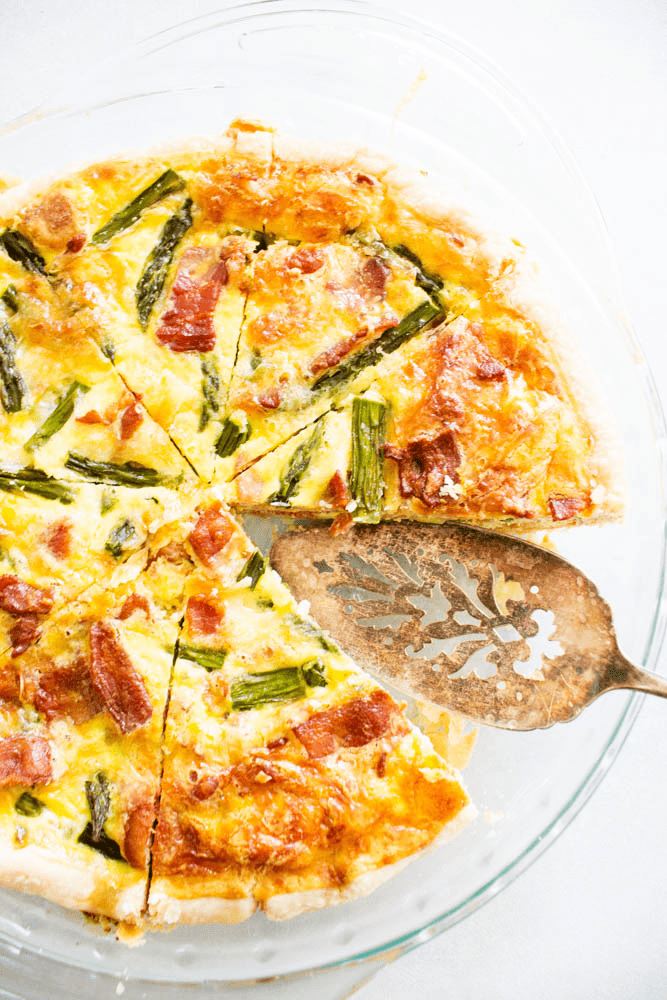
(57, 418)
(312, 631)
(20, 249)
(99, 802)
(210, 387)
(430, 283)
(12, 386)
(11, 298)
(28, 805)
(366, 470)
(296, 468)
(281, 685)
(103, 844)
(125, 474)
(37, 482)
(427, 313)
(157, 264)
(167, 183)
(209, 659)
(234, 433)
(254, 568)
(118, 539)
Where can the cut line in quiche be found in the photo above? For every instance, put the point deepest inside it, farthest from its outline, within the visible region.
(245, 325)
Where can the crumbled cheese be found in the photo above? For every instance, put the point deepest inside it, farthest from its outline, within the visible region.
(352, 505)
(450, 489)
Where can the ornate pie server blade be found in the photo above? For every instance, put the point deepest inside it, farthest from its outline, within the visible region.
(496, 628)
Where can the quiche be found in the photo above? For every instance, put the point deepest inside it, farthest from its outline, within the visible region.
(245, 324)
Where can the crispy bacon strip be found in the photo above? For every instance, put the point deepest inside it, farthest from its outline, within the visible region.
(23, 633)
(10, 684)
(563, 508)
(202, 616)
(68, 691)
(306, 259)
(135, 602)
(137, 831)
(131, 419)
(116, 681)
(187, 325)
(424, 466)
(25, 760)
(373, 277)
(211, 533)
(337, 492)
(58, 539)
(19, 598)
(333, 355)
(353, 724)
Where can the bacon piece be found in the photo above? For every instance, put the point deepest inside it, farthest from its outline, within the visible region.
(202, 616)
(68, 691)
(353, 724)
(563, 508)
(91, 417)
(373, 277)
(187, 325)
(271, 399)
(490, 370)
(25, 760)
(381, 766)
(211, 533)
(205, 787)
(306, 259)
(333, 355)
(58, 539)
(341, 524)
(337, 492)
(76, 243)
(504, 491)
(116, 681)
(19, 598)
(135, 602)
(136, 835)
(23, 633)
(130, 419)
(364, 179)
(10, 685)
(424, 466)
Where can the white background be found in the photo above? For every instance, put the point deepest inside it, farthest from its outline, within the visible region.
(589, 919)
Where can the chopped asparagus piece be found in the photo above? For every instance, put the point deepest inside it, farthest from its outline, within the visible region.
(12, 386)
(209, 659)
(430, 283)
(167, 183)
(426, 314)
(108, 501)
(99, 802)
(103, 844)
(296, 468)
(117, 542)
(369, 417)
(157, 264)
(255, 690)
(28, 805)
(125, 474)
(58, 417)
(312, 631)
(20, 249)
(37, 482)
(234, 433)
(210, 387)
(254, 568)
(11, 298)
(281, 685)
(313, 672)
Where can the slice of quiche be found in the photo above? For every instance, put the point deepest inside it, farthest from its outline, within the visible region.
(291, 780)
(81, 720)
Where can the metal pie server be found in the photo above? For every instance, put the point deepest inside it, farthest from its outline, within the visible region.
(498, 629)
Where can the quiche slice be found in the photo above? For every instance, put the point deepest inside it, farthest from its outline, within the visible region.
(67, 415)
(447, 430)
(291, 779)
(57, 543)
(81, 720)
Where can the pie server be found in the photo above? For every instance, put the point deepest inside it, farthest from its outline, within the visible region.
(498, 629)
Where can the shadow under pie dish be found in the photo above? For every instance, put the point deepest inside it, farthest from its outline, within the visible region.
(245, 325)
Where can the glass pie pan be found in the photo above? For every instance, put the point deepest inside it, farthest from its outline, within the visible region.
(360, 74)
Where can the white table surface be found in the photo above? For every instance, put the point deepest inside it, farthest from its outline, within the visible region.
(589, 919)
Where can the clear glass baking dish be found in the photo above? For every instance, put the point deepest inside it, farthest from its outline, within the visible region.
(360, 74)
